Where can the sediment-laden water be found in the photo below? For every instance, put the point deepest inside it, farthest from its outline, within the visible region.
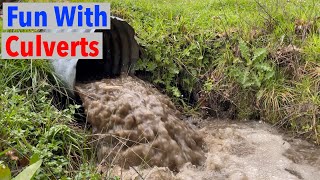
(138, 125)
(135, 125)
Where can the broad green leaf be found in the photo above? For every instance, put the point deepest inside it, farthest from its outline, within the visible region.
(256, 80)
(176, 92)
(235, 72)
(186, 52)
(158, 57)
(269, 75)
(28, 173)
(263, 66)
(259, 54)
(245, 52)
(245, 77)
(5, 173)
(208, 85)
(151, 66)
(34, 158)
(174, 70)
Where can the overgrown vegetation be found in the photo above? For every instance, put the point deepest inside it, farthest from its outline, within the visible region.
(263, 57)
(33, 128)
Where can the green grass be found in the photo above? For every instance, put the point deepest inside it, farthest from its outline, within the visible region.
(240, 49)
(32, 126)
(242, 46)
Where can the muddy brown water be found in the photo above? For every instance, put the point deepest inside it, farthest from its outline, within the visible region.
(138, 125)
(141, 135)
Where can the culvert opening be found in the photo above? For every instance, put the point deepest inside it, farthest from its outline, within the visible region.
(121, 52)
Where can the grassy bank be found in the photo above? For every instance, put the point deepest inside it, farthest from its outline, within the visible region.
(260, 57)
(33, 129)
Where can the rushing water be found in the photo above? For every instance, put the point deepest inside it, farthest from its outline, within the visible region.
(138, 125)
(135, 124)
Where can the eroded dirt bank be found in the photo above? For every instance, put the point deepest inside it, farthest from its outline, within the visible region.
(136, 124)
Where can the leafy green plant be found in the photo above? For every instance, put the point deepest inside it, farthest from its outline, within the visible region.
(208, 86)
(26, 174)
(29, 172)
(5, 173)
(253, 69)
(34, 125)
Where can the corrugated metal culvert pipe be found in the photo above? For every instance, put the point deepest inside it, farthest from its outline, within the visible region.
(120, 53)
